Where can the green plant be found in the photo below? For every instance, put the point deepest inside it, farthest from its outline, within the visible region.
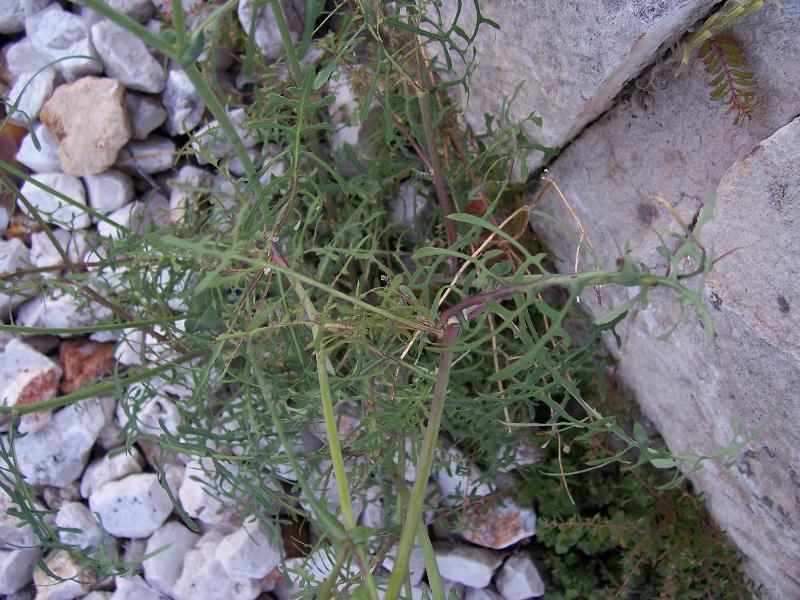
(285, 298)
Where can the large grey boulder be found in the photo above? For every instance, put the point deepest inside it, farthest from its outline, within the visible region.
(572, 58)
(682, 147)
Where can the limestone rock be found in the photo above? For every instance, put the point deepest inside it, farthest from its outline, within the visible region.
(153, 155)
(470, 566)
(71, 581)
(145, 114)
(57, 34)
(183, 104)
(501, 526)
(162, 570)
(51, 207)
(203, 496)
(29, 94)
(57, 309)
(484, 594)
(681, 146)
(13, 255)
(13, 533)
(267, 35)
(314, 568)
(43, 160)
(134, 588)
(76, 515)
(14, 12)
(248, 553)
(111, 467)
(109, 190)
(519, 579)
(27, 377)
(187, 188)
(204, 577)
(88, 145)
(416, 564)
(22, 57)
(56, 454)
(212, 140)
(45, 254)
(134, 506)
(139, 10)
(16, 569)
(153, 414)
(600, 47)
(459, 479)
(126, 58)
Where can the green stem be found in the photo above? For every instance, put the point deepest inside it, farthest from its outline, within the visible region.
(288, 44)
(424, 466)
(179, 21)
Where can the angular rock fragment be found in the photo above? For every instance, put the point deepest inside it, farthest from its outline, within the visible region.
(27, 377)
(482, 594)
(43, 160)
(61, 36)
(203, 496)
(89, 145)
(45, 254)
(13, 532)
(29, 95)
(83, 362)
(126, 58)
(56, 454)
(52, 207)
(470, 566)
(139, 10)
(76, 516)
(187, 188)
(267, 35)
(22, 57)
(14, 12)
(16, 568)
(109, 190)
(56, 309)
(183, 104)
(519, 579)
(13, 255)
(459, 479)
(500, 526)
(153, 155)
(112, 467)
(70, 581)
(134, 588)
(145, 114)
(132, 507)
(248, 553)
(174, 541)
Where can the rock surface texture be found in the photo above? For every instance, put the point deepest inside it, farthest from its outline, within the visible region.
(571, 59)
(683, 148)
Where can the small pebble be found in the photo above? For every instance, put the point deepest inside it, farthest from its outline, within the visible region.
(43, 160)
(51, 207)
(109, 190)
(126, 58)
(162, 570)
(153, 155)
(70, 581)
(519, 579)
(14, 12)
(133, 588)
(29, 94)
(13, 255)
(16, 568)
(145, 114)
(111, 467)
(248, 553)
(22, 57)
(183, 104)
(470, 566)
(56, 309)
(27, 377)
(57, 34)
(76, 515)
(132, 507)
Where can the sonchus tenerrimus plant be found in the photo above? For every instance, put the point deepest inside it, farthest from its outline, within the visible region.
(292, 293)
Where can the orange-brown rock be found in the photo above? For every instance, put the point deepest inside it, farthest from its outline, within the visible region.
(90, 120)
(83, 361)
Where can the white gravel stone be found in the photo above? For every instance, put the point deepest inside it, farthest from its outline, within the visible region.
(267, 35)
(184, 106)
(134, 588)
(29, 94)
(470, 566)
(22, 57)
(459, 479)
(13, 255)
(26, 376)
(44, 160)
(14, 12)
(97, 596)
(5, 216)
(190, 184)
(153, 155)
(109, 191)
(162, 570)
(484, 594)
(133, 507)
(16, 568)
(316, 567)
(202, 495)
(57, 309)
(111, 467)
(151, 413)
(57, 34)
(416, 564)
(204, 577)
(211, 139)
(70, 582)
(139, 10)
(76, 515)
(145, 114)
(519, 579)
(53, 208)
(13, 534)
(340, 111)
(45, 254)
(408, 205)
(248, 553)
(56, 454)
(126, 58)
